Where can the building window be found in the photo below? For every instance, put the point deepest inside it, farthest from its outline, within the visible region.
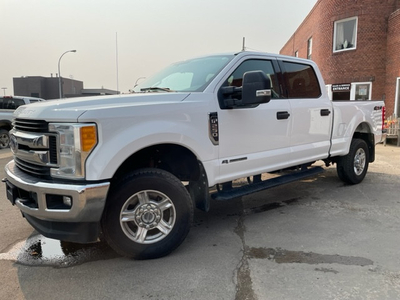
(352, 91)
(309, 48)
(345, 34)
(296, 54)
(361, 91)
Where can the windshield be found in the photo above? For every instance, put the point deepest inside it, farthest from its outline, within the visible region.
(187, 76)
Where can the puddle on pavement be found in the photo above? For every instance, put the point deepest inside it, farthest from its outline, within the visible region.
(41, 251)
(282, 256)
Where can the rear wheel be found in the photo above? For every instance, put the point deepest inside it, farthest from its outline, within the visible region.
(353, 167)
(148, 214)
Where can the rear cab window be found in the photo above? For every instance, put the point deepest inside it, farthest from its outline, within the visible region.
(10, 103)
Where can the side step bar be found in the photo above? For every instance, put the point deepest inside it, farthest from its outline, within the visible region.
(224, 195)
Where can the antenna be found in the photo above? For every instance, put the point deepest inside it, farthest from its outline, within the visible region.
(244, 42)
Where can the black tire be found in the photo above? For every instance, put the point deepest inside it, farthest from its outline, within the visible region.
(148, 214)
(353, 167)
(4, 139)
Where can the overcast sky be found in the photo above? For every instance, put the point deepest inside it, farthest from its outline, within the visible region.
(149, 35)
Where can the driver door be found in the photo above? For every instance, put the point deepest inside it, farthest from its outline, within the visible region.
(253, 140)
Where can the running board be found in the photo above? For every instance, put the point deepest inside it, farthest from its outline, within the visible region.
(263, 185)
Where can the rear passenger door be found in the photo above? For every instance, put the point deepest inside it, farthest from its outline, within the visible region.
(311, 113)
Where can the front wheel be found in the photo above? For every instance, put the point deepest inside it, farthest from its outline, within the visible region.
(148, 214)
(4, 138)
(353, 167)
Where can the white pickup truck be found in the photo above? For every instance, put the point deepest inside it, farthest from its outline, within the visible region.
(131, 168)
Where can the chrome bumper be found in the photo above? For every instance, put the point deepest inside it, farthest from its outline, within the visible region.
(88, 200)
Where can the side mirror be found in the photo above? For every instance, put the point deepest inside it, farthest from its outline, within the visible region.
(256, 88)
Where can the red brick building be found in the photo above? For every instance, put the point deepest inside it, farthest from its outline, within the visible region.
(356, 44)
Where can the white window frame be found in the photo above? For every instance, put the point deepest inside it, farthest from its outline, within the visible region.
(353, 89)
(309, 48)
(397, 99)
(335, 25)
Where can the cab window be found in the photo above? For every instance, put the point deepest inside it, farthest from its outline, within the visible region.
(236, 78)
(301, 81)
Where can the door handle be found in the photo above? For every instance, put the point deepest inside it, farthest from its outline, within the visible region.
(325, 112)
(282, 115)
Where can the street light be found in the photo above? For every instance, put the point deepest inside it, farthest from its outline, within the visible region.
(59, 72)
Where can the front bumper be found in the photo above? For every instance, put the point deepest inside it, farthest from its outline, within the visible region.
(39, 198)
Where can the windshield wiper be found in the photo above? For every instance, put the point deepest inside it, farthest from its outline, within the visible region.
(155, 88)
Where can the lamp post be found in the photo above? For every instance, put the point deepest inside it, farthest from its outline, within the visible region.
(59, 72)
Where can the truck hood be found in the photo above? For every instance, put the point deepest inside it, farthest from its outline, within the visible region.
(70, 109)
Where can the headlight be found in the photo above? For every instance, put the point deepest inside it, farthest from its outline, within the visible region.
(76, 141)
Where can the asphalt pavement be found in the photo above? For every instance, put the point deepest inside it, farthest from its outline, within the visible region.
(313, 239)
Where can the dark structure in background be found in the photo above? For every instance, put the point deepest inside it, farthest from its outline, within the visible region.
(356, 45)
(48, 88)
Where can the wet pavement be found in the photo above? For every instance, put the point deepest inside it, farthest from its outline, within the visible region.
(313, 239)
(41, 251)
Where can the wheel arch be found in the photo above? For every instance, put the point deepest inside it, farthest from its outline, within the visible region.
(364, 132)
(175, 159)
(5, 124)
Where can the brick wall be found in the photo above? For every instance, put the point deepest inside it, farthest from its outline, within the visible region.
(368, 61)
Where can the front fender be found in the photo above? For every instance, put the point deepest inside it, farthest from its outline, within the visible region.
(114, 149)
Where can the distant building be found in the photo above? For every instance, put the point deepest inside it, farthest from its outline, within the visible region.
(356, 45)
(48, 88)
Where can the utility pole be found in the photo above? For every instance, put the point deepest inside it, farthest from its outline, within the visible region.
(116, 58)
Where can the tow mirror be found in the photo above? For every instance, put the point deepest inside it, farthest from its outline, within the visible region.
(256, 88)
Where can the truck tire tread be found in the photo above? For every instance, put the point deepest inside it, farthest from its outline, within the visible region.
(146, 180)
(345, 165)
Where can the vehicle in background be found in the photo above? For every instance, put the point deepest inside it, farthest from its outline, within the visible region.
(8, 104)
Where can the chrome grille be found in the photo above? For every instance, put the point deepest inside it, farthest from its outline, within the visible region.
(34, 169)
(37, 149)
(31, 125)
